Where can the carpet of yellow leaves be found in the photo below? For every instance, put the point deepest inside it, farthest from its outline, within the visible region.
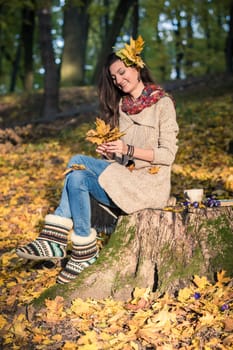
(200, 317)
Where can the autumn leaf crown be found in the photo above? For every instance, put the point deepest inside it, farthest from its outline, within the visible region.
(130, 53)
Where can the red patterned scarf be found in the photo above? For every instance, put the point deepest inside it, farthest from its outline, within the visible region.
(146, 99)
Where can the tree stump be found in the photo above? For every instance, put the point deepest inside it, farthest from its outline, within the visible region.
(158, 249)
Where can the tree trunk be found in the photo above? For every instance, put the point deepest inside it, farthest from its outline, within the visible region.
(51, 76)
(28, 27)
(106, 21)
(117, 22)
(178, 44)
(158, 249)
(15, 68)
(135, 19)
(229, 43)
(207, 33)
(189, 46)
(76, 25)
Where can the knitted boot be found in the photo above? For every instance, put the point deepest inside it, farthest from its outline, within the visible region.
(84, 253)
(52, 241)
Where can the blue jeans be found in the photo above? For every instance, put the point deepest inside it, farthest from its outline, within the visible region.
(78, 187)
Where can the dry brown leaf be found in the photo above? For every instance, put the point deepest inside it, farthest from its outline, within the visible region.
(142, 304)
(228, 324)
(130, 165)
(74, 167)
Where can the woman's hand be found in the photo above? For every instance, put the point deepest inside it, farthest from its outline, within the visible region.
(109, 148)
(117, 146)
(102, 150)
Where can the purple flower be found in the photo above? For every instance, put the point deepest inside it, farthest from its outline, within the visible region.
(195, 204)
(224, 307)
(197, 295)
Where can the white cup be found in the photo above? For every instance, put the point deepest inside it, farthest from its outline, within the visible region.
(194, 194)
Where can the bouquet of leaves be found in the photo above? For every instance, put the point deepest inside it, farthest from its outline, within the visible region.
(103, 133)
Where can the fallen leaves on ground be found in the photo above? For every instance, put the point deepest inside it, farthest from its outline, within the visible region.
(200, 317)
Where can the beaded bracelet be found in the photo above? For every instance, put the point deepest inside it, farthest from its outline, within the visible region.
(130, 151)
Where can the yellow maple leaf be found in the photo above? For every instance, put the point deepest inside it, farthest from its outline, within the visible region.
(11, 284)
(134, 346)
(74, 167)
(101, 127)
(80, 307)
(131, 52)
(207, 319)
(47, 341)
(10, 300)
(38, 338)
(139, 43)
(139, 319)
(163, 318)
(57, 337)
(3, 322)
(154, 170)
(114, 134)
(19, 326)
(221, 278)
(6, 259)
(69, 346)
(103, 133)
(54, 310)
(201, 282)
(90, 338)
(184, 294)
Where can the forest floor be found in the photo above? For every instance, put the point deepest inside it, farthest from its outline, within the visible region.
(33, 156)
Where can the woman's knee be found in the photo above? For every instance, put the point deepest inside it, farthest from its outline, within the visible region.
(76, 178)
(77, 159)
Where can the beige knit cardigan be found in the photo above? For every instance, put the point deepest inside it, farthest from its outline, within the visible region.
(154, 128)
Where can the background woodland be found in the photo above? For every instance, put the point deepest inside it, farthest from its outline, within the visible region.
(51, 44)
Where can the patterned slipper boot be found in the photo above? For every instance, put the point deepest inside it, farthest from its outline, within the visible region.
(84, 253)
(52, 241)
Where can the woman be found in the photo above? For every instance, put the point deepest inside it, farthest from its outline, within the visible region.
(133, 172)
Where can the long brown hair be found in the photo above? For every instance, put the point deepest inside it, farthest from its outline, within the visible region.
(110, 95)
